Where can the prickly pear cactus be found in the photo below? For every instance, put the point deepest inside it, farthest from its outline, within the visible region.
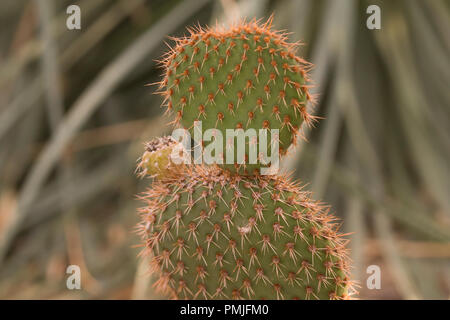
(214, 235)
(245, 77)
(228, 232)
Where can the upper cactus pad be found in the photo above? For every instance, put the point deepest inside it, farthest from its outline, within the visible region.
(247, 76)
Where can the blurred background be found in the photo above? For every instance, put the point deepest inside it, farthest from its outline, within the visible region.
(75, 112)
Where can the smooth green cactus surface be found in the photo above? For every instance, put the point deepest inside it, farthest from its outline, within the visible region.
(213, 235)
(246, 77)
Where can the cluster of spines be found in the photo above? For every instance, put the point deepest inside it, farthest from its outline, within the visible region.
(281, 68)
(229, 249)
(163, 157)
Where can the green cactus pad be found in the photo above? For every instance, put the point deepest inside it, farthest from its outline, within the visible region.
(214, 235)
(247, 76)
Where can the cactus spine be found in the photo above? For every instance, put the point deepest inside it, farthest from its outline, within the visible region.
(227, 232)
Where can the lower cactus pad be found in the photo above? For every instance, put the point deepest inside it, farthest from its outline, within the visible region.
(214, 235)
